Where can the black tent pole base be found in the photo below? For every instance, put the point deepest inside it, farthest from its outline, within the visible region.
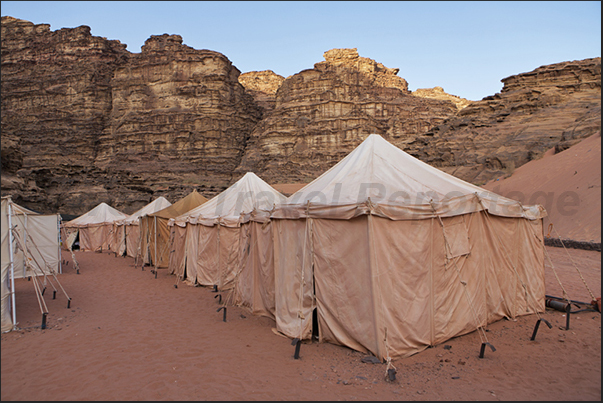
(297, 343)
(224, 315)
(483, 349)
(538, 325)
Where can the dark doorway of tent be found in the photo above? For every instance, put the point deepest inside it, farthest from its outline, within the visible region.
(315, 335)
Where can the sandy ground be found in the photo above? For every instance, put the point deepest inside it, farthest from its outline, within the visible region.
(130, 336)
(567, 184)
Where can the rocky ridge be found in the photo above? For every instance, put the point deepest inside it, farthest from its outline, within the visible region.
(86, 121)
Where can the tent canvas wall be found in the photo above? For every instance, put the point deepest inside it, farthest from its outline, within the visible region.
(31, 249)
(127, 231)
(95, 228)
(392, 255)
(155, 233)
(221, 238)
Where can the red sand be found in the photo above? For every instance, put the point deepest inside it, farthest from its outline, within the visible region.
(567, 184)
(131, 336)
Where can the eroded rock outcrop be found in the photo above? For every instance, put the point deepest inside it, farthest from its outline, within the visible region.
(262, 86)
(56, 99)
(438, 93)
(322, 114)
(85, 121)
(553, 106)
(179, 119)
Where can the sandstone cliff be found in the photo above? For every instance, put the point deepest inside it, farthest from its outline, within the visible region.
(322, 114)
(56, 99)
(262, 86)
(85, 121)
(552, 106)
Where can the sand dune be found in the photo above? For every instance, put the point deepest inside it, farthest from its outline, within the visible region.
(567, 184)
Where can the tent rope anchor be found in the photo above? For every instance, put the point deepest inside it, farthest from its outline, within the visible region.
(537, 325)
(224, 315)
(219, 296)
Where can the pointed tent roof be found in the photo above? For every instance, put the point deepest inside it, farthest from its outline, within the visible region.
(249, 194)
(382, 178)
(187, 203)
(158, 204)
(101, 214)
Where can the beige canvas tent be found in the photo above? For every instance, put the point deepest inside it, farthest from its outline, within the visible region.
(389, 255)
(31, 249)
(126, 232)
(155, 233)
(228, 239)
(95, 229)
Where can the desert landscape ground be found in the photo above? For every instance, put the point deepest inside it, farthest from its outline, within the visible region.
(130, 336)
(127, 335)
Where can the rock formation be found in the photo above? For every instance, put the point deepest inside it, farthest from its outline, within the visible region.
(322, 114)
(262, 86)
(552, 106)
(85, 121)
(56, 100)
(438, 93)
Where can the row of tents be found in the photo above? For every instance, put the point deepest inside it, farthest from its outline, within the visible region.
(382, 253)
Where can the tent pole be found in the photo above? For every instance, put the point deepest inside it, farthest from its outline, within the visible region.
(155, 225)
(11, 258)
(59, 243)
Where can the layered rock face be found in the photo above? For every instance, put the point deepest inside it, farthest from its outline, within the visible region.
(179, 119)
(438, 93)
(262, 86)
(56, 99)
(84, 121)
(553, 106)
(322, 114)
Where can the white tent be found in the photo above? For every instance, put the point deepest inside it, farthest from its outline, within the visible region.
(31, 249)
(95, 228)
(390, 255)
(126, 232)
(213, 242)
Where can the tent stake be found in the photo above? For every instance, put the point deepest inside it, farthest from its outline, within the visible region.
(567, 316)
(297, 343)
(224, 315)
(219, 296)
(483, 349)
(537, 325)
(43, 289)
(44, 320)
(54, 294)
(391, 374)
(69, 303)
(215, 288)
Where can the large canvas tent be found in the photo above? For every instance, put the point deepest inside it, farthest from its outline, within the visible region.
(31, 249)
(389, 255)
(155, 233)
(228, 238)
(127, 231)
(95, 229)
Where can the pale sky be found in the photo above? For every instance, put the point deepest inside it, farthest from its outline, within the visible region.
(464, 47)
